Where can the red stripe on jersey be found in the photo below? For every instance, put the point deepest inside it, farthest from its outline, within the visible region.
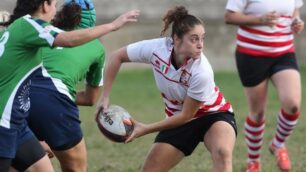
(216, 88)
(281, 26)
(171, 109)
(225, 107)
(216, 103)
(263, 53)
(169, 114)
(201, 113)
(174, 102)
(262, 43)
(289, 17)
(162, 59)
(156, 65)
(259, 32)
(165, 76)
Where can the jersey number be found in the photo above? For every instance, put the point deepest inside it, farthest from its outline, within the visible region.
(3, 41)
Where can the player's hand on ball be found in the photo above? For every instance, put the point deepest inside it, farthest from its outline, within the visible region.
(102, 106)
(139, 130)
(130, 16)
(85, 4)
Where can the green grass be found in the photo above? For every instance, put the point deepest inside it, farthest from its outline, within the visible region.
(136, 91)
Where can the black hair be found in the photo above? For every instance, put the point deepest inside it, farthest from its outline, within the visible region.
(24, 7)
(69, 17)
(181, 21)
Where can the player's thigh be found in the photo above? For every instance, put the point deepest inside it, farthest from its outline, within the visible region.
(44, 164)
(257, 97)
(220, 139)
(75, 157)
(162, 157)
(254, 75)
(288, 85)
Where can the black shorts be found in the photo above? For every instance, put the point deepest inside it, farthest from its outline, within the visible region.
(253, 69)
(28, 153)
(188, 136)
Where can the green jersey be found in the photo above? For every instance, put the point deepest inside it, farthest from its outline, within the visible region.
(67, 66)
(19, 44)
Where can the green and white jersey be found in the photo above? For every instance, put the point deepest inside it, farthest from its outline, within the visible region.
(19, 44)
(67, 66)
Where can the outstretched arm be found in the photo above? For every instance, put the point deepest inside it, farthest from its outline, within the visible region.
(79, 37)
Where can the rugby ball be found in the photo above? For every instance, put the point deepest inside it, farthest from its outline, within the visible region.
(115, 124)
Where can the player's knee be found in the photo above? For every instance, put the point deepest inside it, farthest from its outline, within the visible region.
(72, 161)
(258, 116)
(223, 155)
(292, 106)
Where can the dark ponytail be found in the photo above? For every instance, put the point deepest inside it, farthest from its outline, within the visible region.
(181, 21)
(24, 7)
(69, 17)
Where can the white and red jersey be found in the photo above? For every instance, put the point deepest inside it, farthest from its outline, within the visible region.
(266, 40)
(194, 79)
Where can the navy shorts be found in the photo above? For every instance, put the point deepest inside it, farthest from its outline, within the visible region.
(54, 118)
(13, 128)
(253, 69)
(186, 137)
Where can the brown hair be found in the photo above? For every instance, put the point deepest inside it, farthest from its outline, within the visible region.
(24, 7)
(181, 21)
(69, 17)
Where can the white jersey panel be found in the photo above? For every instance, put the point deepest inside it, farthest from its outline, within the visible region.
(194, 79)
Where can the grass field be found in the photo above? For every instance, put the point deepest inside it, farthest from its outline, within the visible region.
(136, 91)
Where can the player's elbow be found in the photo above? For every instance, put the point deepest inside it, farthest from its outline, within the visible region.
(90, 101)
(228, 17)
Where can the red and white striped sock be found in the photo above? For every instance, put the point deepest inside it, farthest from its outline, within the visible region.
(285, 125)
(254, 137)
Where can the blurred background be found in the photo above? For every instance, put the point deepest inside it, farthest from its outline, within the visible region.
(135, 90)
(220, 40)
